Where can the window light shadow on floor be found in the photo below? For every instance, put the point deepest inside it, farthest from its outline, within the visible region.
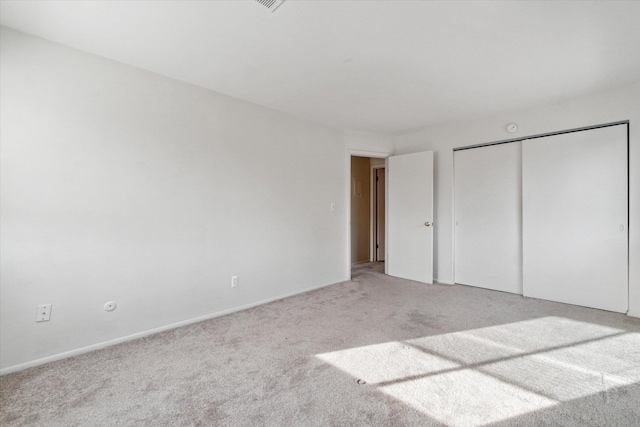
(497, 373)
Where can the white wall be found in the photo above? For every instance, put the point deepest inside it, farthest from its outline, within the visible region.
(120, 184)
(372, 145)
(599, 108)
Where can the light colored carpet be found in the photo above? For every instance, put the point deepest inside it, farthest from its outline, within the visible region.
(373, 351)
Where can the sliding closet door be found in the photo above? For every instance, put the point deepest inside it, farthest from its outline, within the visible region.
(575, 218)
(488, 226)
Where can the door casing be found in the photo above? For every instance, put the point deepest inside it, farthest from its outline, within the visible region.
(347, 199)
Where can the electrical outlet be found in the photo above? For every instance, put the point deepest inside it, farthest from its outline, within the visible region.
(44, 313)
(234, 281)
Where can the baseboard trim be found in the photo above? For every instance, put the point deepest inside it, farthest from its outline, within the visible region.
(443, 282)
(109, 343)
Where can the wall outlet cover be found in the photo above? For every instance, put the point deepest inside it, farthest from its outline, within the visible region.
(44, 313)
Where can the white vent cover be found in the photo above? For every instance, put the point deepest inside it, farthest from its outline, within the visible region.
(272, 5)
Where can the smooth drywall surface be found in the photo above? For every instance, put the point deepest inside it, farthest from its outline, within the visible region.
(123, 185)
(369, 144)
(360, 209)
(599, 108)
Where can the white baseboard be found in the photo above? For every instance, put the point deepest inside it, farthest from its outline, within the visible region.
(98, 346)
(443, 282)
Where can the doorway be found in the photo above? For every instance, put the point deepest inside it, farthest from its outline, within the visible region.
(367, 209)
(408, 212)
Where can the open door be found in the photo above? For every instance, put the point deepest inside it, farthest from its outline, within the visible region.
(410, 216)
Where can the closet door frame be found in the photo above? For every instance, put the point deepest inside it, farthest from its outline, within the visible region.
(542, 135)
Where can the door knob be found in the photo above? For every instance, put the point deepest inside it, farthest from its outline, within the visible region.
(428, 224)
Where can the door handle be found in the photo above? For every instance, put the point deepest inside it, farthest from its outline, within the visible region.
(428, 224)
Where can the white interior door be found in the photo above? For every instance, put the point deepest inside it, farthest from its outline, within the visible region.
(409, 208)
(575, 218)
(488, 217)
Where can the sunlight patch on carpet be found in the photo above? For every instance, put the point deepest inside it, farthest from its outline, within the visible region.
(495, 373)
(466, 397)
(386, 362)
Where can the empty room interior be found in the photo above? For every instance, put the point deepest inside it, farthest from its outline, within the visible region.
(274, 213)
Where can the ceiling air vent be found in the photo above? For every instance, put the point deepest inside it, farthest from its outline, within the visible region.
(272, 5)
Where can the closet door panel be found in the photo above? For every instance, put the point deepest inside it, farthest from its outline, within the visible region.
(488, 227)
(575, 218)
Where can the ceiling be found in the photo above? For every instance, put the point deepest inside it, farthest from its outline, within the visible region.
(374, 66)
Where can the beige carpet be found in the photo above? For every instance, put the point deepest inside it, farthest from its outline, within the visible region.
(373, 351)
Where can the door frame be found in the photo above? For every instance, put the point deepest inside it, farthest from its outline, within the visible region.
(347, 199)
(373, 214)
